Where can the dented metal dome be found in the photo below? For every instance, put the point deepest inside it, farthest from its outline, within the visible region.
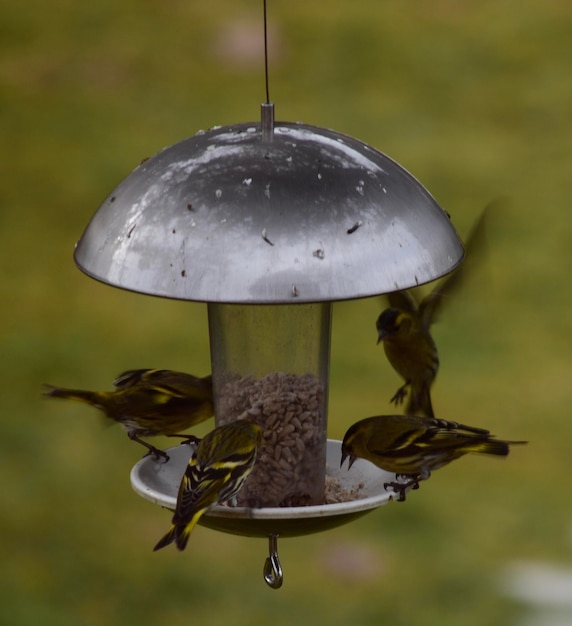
(251, 214)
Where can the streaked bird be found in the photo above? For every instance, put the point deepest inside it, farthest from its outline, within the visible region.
(404, 329)
(411, 350)
(412, 447)
(216, 471)
(150, 402)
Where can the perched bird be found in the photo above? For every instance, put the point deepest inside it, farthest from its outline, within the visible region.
(148, 402)
(412, 447)
(216, 471)
(404, 329)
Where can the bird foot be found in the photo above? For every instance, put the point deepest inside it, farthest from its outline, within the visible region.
(187, 439)
(152, 450)
(399, 396)
(160, 456)
(400, 488)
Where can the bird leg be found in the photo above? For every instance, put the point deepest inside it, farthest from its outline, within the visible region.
(400, 488)
(156, 453)
(399, 395)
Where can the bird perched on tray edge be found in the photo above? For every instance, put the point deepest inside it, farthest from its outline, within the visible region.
(412, 447)
(216, 471)
(150, 402)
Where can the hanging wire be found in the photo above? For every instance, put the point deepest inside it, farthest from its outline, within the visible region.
(266, 53)
(267, 108)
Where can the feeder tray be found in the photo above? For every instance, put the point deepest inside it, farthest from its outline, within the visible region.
(159, 483)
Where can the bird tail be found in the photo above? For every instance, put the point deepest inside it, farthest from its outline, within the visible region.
(89, 397)
(93, 398)
(179, 534)
(420, 402)
(183, 536)
(166, 539)
(497, 447)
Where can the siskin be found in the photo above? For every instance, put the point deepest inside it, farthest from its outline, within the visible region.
(148, 402)
(216, 471)
(412, 447)
(404, 329)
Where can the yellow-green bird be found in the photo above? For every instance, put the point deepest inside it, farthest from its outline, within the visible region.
(404, 329)
(216, 471)
(412, 447)
(149, 402)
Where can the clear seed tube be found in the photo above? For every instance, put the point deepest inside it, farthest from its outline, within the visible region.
(270, 366)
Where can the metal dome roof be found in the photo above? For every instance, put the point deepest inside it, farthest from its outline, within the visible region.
(297, 214)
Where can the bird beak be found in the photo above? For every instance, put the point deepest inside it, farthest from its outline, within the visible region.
(347, 455)
(381, 336)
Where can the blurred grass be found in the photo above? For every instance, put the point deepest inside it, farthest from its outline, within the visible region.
(473, 98)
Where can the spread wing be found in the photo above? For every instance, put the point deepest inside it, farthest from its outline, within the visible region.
(475, 250)
(403, 300)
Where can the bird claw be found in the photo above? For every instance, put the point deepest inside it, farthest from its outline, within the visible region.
(159, 456)
(400, 488)
(399, 396)
(186, 439)
(190, 440)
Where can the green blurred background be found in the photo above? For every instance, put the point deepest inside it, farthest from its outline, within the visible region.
(473, 98)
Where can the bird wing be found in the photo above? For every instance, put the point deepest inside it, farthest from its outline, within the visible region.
(395, 440)
(444, 434)
(403, 300)
(475, 248)
(198, 491)
(168, 382)
(130, 378)
(181, 385)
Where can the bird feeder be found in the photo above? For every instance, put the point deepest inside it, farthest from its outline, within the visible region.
(269, 223)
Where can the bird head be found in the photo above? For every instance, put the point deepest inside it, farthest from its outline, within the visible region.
(389, 323)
